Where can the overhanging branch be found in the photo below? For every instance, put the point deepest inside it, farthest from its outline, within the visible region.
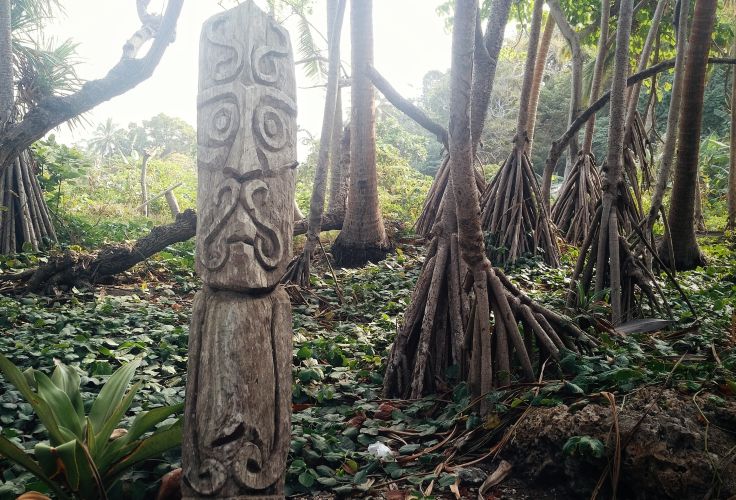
(52, 111)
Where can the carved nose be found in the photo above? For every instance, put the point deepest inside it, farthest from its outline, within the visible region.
(241, 227)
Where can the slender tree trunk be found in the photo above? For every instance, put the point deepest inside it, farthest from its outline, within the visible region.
(549, 28)
(673, 120)
(576, 83)
(485, 61)
(687, 253)
(612, 170)
(634, 91)
(144, 184)
(336, 202)
(463, 187)
(298, 271)
(363, 237)
(732, 168)
(6, 66)
(595, 86)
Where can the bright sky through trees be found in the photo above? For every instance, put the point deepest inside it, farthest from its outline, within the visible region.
(411, 41)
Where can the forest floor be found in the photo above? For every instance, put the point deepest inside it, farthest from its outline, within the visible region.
(649, 415)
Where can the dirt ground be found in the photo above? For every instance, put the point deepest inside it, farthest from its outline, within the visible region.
(672, 445)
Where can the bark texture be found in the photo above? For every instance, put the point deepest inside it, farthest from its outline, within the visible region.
(363, 237)
(576, 84)
(687, 254)
(540, 64)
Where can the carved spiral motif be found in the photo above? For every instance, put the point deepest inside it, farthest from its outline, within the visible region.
(270, 127)
(267, 244)
(208, 479)
(229, 54)
(221, 117)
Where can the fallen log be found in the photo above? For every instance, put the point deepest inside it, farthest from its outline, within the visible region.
(76, 269)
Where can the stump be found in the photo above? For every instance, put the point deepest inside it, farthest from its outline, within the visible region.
(237, 418)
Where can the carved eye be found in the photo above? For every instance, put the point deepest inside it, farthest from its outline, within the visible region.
(270, 126)
(219, 122)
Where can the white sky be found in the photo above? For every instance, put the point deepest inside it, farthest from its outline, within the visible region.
(410, 39)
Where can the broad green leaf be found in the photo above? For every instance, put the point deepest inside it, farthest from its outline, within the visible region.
(67, 379)
(59, 404)
(147, 421)
(20, 457)
(150, 447)
(18, 380)
(111, 394)
(113, 420)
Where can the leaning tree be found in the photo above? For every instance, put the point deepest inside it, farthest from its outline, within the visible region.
(513, 210)
(448, 322)
(26, 118)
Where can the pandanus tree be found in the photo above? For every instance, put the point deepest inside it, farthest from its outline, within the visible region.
(448, 322)
(606, 249)
(27, 116)
(681, 228)
(574, 208)
(363, 236)
(298, 271)
(513, 210)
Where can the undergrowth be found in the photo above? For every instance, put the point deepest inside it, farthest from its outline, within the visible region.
(340, 350)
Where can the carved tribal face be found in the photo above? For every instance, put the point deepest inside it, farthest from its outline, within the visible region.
(246, 153)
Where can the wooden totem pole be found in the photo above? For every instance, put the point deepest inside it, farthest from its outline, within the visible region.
(237, 421)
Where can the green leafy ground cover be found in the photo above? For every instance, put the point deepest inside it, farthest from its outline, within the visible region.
(339, 356)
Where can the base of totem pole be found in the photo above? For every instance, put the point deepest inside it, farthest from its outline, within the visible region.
(237, 423)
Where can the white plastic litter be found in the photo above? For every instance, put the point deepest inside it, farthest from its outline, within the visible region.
(380, 451)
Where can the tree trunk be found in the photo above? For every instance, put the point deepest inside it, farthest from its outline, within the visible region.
(7, 100)
(549, 28)
(575, 207)
(731, 224)
(336, 202)
(513, 210)
(612, 169)
(485, 60)
(299, 269)
(687, 253)
(595, 86)
(173, 204)
(363, 237)
(576, 83)
(73, 269)
(144, 185)
(338, 197)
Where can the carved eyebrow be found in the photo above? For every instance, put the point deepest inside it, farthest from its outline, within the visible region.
(258, 173)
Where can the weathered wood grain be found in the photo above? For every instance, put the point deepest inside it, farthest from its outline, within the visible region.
(237, 418)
